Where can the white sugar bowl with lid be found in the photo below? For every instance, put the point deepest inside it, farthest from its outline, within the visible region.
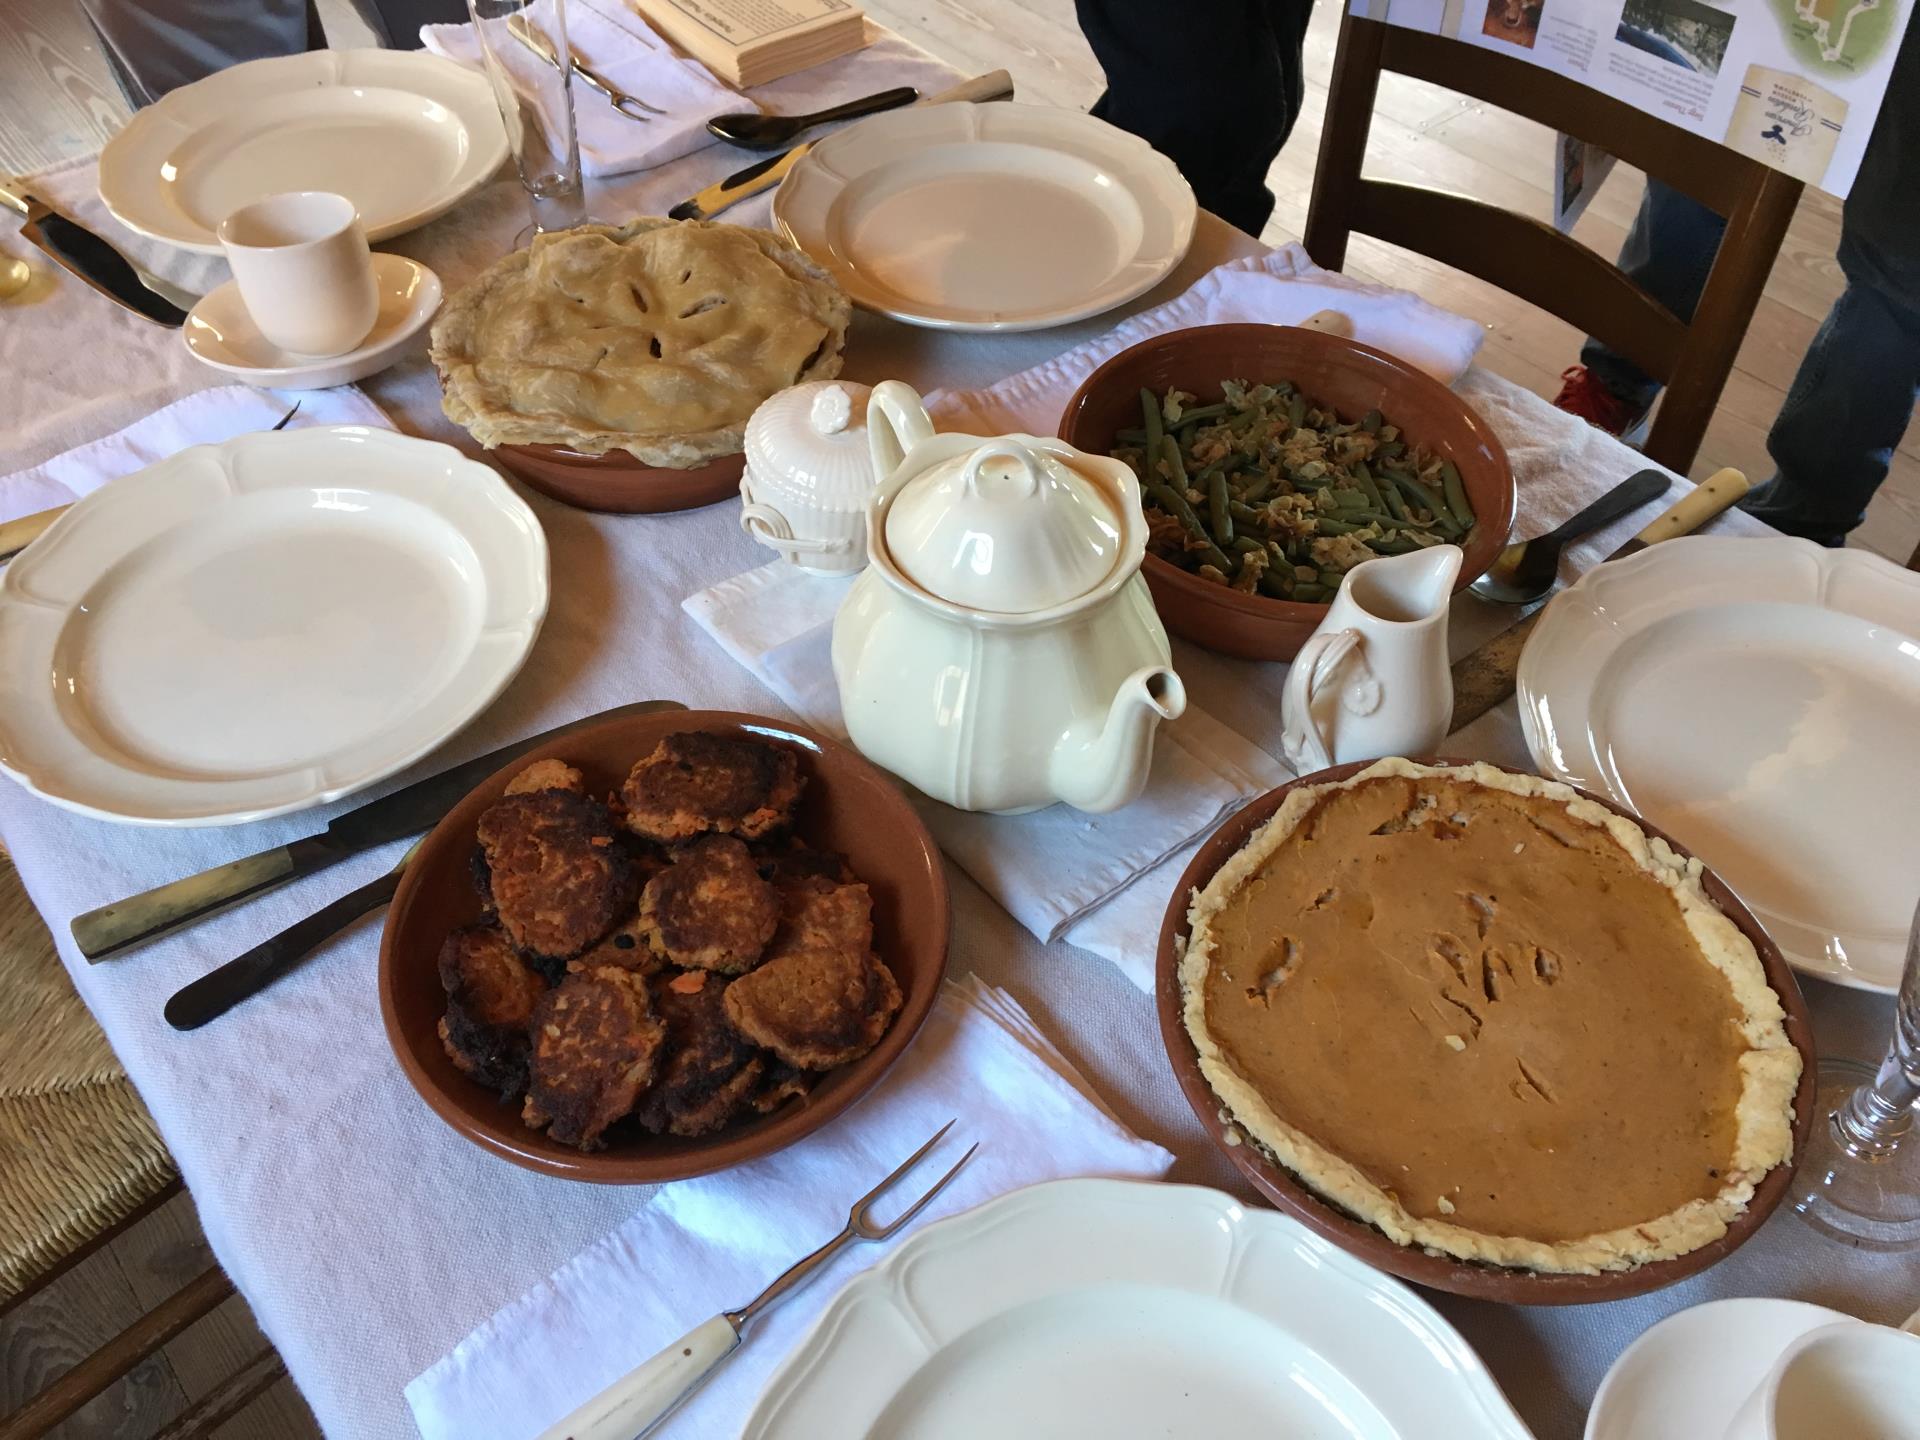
(1000, 651)
(808, 476)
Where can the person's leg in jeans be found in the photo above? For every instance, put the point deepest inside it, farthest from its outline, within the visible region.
(1214, 85)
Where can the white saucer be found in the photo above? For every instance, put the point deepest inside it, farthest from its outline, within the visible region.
(1687, 1377)
(221, 334)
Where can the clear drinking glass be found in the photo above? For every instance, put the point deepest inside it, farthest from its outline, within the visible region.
(531, 69)
(1860, 1179)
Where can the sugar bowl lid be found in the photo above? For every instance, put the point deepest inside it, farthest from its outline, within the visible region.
(1004, 528)
(809, 442)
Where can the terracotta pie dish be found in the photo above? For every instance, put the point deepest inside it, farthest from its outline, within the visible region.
(847, 806)
(617, 484)
(1348, 377)
(1429, 1266)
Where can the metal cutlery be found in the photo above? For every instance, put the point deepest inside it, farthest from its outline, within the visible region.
(1527, 569)
(632, 1407)
(1486, 677)
(407, 811)
(765, 174)
(17, 534)
(535, 39)
(247, 974)
(89, 258)
(752, 130)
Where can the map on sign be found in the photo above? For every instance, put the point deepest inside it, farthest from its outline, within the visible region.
(1842, 35)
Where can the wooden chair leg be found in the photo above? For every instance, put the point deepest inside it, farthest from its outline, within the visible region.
(1914, 563)
(64, 1396)
(227, 1400)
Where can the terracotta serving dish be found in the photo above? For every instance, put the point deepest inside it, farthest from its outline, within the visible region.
(1443, 1272)
(616, 483)
(848, 806)
(1353, 379)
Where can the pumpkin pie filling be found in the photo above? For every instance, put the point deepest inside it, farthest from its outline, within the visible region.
(1489, 1021)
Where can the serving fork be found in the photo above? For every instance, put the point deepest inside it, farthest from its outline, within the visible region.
(632, 1407)
(535, 39)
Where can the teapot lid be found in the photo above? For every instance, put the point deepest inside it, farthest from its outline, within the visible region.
(1005, 528)
(809, 442)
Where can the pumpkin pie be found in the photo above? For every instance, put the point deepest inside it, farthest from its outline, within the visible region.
(1490, 1017)
(657, 337)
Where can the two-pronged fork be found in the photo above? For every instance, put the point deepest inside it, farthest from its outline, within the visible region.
(632, 1407)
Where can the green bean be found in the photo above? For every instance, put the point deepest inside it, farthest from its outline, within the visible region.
(1420, 495)
(1273, 585)
(1331, 526)
(1130, 437)
(1176, 462)
(1175, 504)
(1390, 450)
(1395, 545)
(1201, 413)
(1370, 422)
(1348, 499)
(1309, 592)
(1216, 488)
(1296, 410)
(1155, 431)
(1255, 490)
(1390, 493)
(1247, 545)
(1245, 513)
(1363, 480)
(1456, 493)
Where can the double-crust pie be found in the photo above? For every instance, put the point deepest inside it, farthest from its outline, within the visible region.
(658, 337)
(1491, 1018)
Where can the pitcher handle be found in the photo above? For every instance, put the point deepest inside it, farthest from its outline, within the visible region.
(1304, 742)
(897, 421)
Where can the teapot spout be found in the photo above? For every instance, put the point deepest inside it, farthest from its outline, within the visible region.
(1110, 769)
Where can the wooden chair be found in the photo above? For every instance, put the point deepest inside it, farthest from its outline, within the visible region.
(1528, 258)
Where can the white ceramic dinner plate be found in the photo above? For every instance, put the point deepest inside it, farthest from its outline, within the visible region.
(255, 627)
(1122, 1310)
(220, 334)
(988, 217)
(1687, 1377)
(1757, 699)
(403, 134)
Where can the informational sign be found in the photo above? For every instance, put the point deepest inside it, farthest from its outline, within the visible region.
(1793, 83)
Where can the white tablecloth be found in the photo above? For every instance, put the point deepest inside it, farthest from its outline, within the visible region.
(369, 1238)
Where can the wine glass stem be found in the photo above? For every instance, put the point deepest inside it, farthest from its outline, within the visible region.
(1877, 1116)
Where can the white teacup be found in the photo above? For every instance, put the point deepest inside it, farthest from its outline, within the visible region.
(1850, 1379)
(304, 271)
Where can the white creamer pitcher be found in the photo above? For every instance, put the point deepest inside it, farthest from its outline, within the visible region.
(1373, 679)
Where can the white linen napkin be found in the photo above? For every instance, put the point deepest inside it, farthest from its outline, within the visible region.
(617, 44)
(205, 417)
(1047, 868)
(1281, 287)
(702, 1245)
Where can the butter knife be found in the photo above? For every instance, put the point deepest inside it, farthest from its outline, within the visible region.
(763, 175)
(407, 811)
(1487, 677)
(89, 258)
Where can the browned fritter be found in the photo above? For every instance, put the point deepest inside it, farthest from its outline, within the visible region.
(491, 994)
(709, 1071)
(559, 876)
(547, 775)
(779, 1083)
(596, 1046)
(793, 861)
(821, 997)
(626, 947)
(694, 784)
(709, 909)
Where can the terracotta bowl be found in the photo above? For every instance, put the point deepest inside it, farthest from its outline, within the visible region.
(1350, 377)
(848, 806)
(1443, 1272)
(616, 483)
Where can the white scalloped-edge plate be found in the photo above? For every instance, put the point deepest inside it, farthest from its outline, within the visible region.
(1122, 1310)
(254, 627)
(988, 217)
(1759, 700)
(403, 134)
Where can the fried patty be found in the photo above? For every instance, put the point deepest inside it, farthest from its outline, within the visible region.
(695, 784)
(596, 1046)
(709, 909)
(821, 997)
(794, 861)
(491, 995)
(557, 872)
(547, 775)
(709, 1071)
(626, 947)
(779, 1083)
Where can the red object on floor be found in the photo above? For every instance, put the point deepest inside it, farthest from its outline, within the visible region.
(1581, 394)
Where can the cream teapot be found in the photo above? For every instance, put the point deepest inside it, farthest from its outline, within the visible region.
(1000, 651)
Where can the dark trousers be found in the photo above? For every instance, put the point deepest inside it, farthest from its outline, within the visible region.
(1214, 85)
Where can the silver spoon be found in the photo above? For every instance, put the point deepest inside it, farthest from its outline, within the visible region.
(753, 131)
(1525, 570)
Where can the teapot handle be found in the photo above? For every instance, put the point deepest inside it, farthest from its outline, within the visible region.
(1002, 450)
(1304, 741)
(897, 421)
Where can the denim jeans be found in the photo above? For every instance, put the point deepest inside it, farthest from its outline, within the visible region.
(1849, 404)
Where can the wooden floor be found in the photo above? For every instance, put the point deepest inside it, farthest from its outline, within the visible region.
(56, 101)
